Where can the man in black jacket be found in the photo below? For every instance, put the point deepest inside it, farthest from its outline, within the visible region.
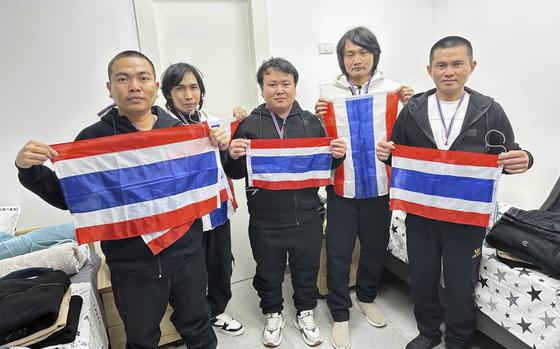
(282, 222)
(452, 117)
(142, 283)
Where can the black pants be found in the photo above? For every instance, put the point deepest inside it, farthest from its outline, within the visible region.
(369, 220)
(271, 248)
(459, 246)
(219, 267)
(142, 301)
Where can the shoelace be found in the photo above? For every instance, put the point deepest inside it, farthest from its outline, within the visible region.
(272, 321)
(308, 320)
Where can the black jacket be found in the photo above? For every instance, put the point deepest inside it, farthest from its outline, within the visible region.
(483, 114)
(277, 208)
(130, 254)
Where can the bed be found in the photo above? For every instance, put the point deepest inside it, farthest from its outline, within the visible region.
(517, 307)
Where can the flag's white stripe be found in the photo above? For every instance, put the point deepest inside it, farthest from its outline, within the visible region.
(144, 209)
(132, 158)
(343, 130)
(380, 130)
(276, 177)
(442, 202)
(152, 236)
(439, 168)
(289, 151)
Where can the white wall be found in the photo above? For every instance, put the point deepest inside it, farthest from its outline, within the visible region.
(517, 52)
(403, 28)
(53, 65)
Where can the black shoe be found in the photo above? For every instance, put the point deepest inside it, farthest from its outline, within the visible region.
(423, 342)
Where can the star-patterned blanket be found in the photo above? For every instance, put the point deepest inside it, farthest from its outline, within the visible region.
(523, 301)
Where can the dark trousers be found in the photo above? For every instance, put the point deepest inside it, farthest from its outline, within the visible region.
(272, 248)
(219, 267)
(430, 242)
(369, 220)
(142, 301)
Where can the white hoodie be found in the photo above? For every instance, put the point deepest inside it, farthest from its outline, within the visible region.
(341, 88)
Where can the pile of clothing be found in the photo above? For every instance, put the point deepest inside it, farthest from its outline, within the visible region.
(37, 308)
(532, 237)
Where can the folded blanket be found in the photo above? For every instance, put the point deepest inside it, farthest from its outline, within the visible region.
(66, 257)
(37, 240)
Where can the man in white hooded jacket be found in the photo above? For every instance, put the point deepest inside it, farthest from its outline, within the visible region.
(358, 55)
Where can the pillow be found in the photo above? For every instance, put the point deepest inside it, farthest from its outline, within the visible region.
(9, 216)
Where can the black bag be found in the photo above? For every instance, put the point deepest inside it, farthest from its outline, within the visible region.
(28, 305)
(533, 236)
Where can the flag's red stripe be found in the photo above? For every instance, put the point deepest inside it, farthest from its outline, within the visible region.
(233, 200)
(391, 113)
(281, 185)
(446, 156)
(339, 180)
(290, 143)
(453, 216)
(145, 225)
(160, 243)
(130, 141)
(330, 121)
(233, 128)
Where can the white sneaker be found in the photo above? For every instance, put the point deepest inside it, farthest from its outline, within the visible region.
(272, 333)
(305, 323)
(227, 325)
(340, 335)
(373, 314)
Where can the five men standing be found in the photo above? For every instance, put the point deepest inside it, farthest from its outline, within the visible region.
(284, 224)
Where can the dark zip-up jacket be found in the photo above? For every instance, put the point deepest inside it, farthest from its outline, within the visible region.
(277, 209)
(483, 114)
(129, 254)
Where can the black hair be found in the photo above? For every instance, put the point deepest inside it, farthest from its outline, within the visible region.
(173, 75)
(362, 37)
(452, 41)
(128, 53)
(278, 64)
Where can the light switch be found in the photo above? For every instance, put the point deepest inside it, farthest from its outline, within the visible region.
(325, 48)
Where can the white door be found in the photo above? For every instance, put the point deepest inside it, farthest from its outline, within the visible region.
(214, 35)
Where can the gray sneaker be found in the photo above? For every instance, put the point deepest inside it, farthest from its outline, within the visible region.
(272, 333)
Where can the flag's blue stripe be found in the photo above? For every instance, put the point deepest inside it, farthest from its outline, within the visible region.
(220, 215)
(99, 190)
(291, 164)
(360, 120)
(465, 188)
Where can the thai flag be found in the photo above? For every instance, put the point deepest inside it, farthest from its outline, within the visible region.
(227, 208)
(362, 121)
(229, 125)
(295, 163)
(445, 185)
(152, 184)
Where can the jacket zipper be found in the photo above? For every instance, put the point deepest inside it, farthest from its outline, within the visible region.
(159, 267)
(295, 209)
(30, 288)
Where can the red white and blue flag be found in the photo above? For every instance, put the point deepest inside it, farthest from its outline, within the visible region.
(152, 184)
(292, 163)
(452, 186)
(227, 208)
(362, 121)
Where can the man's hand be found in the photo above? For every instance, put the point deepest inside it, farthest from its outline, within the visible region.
(514, 161)
(219, 138)
(321, 107)
(383, 149)
(238, 148)
(405, 93)
(338, 148)
(34, 153)
(239, 113)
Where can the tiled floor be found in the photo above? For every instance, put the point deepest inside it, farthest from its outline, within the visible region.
(393, 299)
